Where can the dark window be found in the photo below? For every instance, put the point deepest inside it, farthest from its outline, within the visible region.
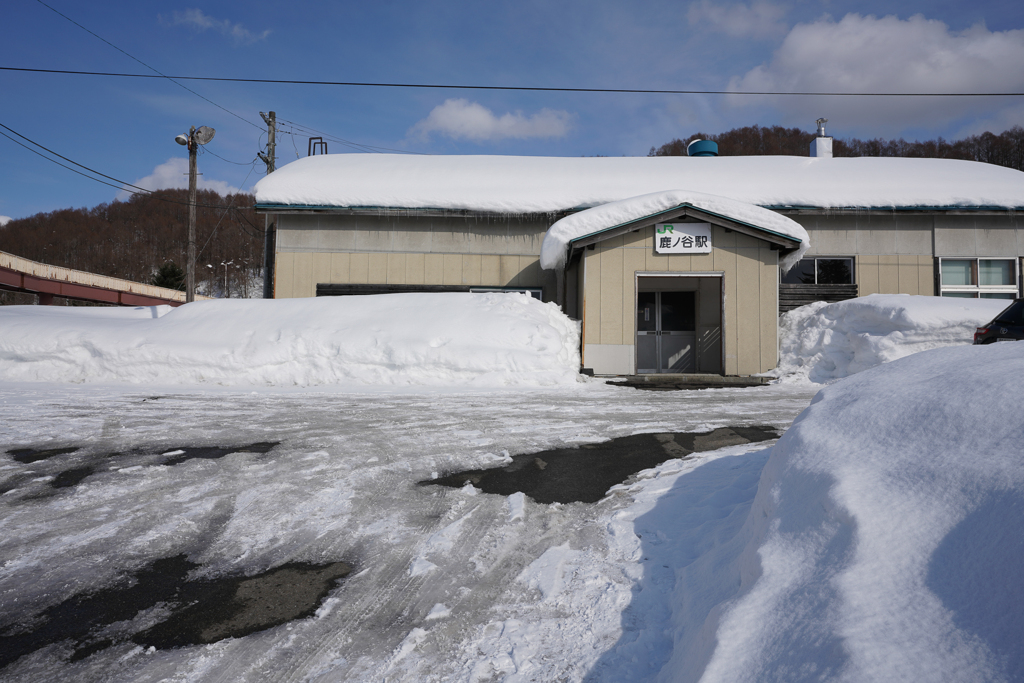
(820, 271)
(835, 271)
(800, 274)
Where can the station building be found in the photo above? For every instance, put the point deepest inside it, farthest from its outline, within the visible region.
(671, 264)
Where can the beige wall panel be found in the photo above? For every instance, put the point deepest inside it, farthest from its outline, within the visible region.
(302, 275)
(433, 269)
(702, 262)
(636, 239)
(359, 269)
(769, 291)
(445, 240)
(531, 275)
(725, 260)
(335, 239)
(415, 273)
(832, 242)
(471, 269)
(748, 308)
(722, 238)
(611, 297)
(284, 268)
(908, 277)
(867, 275)
(411, 239)
(680, 263)
(452, 269)
(592, 297)
(373, 240)
(508, 274)
(655, 261)
(377, 268)
(632, 261)
(881, 240)
(340, 267)
(914, 235)
(490, 270)
(955, 236)
(888, 274)
(926, 275)
(746, 241)
(396, 264)
(997, 242)
(321, 269)
(297, 240)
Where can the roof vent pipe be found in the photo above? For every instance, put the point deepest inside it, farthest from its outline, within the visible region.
(702, 148)
(821, 146)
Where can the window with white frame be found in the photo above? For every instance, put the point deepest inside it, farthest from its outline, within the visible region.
(986, 278)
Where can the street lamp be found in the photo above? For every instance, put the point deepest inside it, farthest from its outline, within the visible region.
(195, 137)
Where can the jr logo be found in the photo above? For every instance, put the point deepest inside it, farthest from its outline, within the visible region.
(665, 228)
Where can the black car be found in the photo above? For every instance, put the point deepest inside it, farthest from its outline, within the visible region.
(1007, 326)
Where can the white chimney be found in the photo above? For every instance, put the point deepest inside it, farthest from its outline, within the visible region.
(821, 146)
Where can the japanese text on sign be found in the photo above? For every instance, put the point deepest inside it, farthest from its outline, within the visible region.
(682, 238)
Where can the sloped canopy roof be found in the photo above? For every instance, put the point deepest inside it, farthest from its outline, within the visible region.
(613, 218)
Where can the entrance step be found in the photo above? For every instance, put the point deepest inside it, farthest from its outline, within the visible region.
(674, 382)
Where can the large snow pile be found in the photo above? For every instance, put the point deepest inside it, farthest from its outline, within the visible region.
(884, 540)
(392, 339)
(558, 236)
(822, 342)
(513, 184)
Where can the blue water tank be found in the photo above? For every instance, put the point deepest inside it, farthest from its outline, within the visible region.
(702, 148)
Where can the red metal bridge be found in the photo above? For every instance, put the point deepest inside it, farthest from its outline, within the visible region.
(21, 275)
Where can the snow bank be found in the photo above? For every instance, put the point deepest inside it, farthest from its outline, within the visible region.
(884, 539)
(822, 342)
(558, 236)
(393, 339)
(510, 184)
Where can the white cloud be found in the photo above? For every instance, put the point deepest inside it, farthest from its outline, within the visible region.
(173, 174)
(4, 220)
(201, 21)
(756, 20)
(888, 54)
(459, 118)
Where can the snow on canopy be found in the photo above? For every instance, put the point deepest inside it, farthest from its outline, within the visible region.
(823, 342)
(424, 339)
(511, 184)
(612, 214)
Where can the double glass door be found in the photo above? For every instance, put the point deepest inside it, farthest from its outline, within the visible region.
(666, 332)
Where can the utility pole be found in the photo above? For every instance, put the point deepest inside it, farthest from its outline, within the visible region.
(190, 267)
(195, 137)
(268, 223)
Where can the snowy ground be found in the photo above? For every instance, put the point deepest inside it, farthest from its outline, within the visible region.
(877, 540)
(447, 584)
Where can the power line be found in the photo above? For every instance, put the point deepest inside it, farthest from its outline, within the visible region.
(450, 86)
(161, 75)
(342, 141)
(122, 184)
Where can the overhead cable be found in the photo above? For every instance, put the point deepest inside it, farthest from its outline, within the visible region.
(450, 86)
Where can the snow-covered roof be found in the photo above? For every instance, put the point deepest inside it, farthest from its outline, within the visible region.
(509, 184)
(651, 206)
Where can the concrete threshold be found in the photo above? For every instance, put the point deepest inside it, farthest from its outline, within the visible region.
(678, 382)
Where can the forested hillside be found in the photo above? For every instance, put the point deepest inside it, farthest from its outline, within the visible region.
(1005, 149)
(135, 238)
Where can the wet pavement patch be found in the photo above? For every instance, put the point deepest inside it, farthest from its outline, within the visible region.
(77, 466)
(200, 611)
(584, 474)
(180, 455)
(27, 456)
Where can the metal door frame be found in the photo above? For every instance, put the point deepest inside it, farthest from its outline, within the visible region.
(698, 274)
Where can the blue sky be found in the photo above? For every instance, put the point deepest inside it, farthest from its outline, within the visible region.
(125, 127)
